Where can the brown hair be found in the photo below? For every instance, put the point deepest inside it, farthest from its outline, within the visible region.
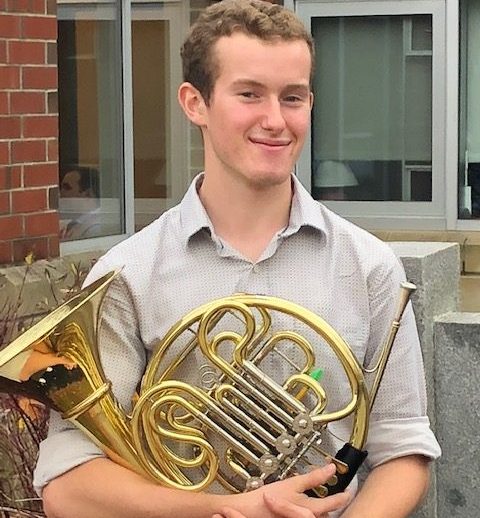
(258, 18)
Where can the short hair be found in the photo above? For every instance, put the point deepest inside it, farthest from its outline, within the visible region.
(89, 178)
(264, 20)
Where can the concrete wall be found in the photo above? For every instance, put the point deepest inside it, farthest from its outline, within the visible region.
(451, 348)
(457, 408)
(435, 269)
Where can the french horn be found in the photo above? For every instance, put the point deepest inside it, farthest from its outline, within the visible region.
(214, 409)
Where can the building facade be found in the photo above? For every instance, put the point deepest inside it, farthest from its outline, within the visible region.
(394, 143)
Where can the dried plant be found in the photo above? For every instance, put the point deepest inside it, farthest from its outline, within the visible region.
(23, 422)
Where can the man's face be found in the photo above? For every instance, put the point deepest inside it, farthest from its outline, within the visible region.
(70, 186)
(259, 111)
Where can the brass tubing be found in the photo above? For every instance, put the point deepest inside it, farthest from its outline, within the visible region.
(406, 290)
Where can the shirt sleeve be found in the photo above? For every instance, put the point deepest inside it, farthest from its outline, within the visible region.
(399, 424)
(123, 359)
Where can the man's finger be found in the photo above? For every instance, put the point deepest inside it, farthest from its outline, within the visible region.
(315, 478)
(282, 508)
(329, 503)
(310, 508)
(228, 512)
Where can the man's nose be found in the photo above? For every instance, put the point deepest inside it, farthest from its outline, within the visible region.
(273, 118)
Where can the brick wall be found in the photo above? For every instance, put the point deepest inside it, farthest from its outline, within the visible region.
(28, 130)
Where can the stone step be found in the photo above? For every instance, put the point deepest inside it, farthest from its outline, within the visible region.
(470, 292)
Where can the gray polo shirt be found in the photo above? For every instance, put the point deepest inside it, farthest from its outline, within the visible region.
(320, 261)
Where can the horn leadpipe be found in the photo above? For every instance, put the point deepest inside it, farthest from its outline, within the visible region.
(406, 290)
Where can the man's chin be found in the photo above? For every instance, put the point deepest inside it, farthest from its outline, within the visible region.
(269, 179)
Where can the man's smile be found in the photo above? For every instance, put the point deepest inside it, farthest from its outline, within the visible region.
(270, 142)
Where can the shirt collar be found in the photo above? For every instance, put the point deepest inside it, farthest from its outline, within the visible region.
(305, 211)
(193, 215)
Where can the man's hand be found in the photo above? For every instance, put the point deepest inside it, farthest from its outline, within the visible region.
(286, 499)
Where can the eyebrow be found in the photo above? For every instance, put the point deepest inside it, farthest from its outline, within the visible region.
(305, 88)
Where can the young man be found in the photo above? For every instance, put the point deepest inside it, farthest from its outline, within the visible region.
(247, 225)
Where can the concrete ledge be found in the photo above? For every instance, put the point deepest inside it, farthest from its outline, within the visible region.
(435, 269)
(457, 368)
(470, 292)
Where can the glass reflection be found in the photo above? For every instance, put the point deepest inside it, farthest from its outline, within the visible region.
(90, 120)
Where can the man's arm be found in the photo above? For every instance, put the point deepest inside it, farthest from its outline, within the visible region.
(103, 489)
(392, 490)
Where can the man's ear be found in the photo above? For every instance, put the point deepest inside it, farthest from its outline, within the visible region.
(192, 103)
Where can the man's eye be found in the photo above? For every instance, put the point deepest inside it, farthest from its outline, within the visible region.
(293, 99)
(248, 95)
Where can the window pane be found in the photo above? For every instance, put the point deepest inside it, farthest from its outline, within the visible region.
(90, 100)
(151, 79)
(164, 156)
(469, 153)
(372, 119)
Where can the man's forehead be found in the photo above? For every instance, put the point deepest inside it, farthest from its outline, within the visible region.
(238, 52)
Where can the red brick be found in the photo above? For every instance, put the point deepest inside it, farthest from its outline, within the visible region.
(4, 110)
(40, 28)
(52, 53)
(23, 247)
(4, 153)
(9, 127)
(41, 224)
(9, 78)
(52, 102)
(9, 26)
(38, 175)
(3, 5)
(40, 78)
(52, 7)
(53, 150)
(4, 203)
(28, 151)
(53, 196)
(10, 177)
(17, 6)
(11, 227)
(26, 52)
(40, 126)
(38, 6)
(3, 48)
(27, 102)
(30, 200)
(5, 246)
(54, 246)
(26, 6)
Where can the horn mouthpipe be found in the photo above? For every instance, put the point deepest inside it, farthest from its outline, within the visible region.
(406, 290)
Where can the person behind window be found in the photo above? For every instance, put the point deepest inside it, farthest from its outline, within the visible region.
(80, 198)
(332, 179)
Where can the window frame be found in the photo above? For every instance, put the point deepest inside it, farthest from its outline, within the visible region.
(179, 126)
(397, 214)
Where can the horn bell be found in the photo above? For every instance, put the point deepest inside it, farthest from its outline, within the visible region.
(56, 361)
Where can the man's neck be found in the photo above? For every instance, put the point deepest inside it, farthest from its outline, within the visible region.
(247, 218)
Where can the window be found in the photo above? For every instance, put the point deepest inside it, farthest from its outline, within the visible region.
(372, 131)
(375, 151)
(127, 152)
(160, 134)
(469, 123)
(90, 120)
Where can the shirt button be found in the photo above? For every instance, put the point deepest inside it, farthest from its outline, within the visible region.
(256, 268)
